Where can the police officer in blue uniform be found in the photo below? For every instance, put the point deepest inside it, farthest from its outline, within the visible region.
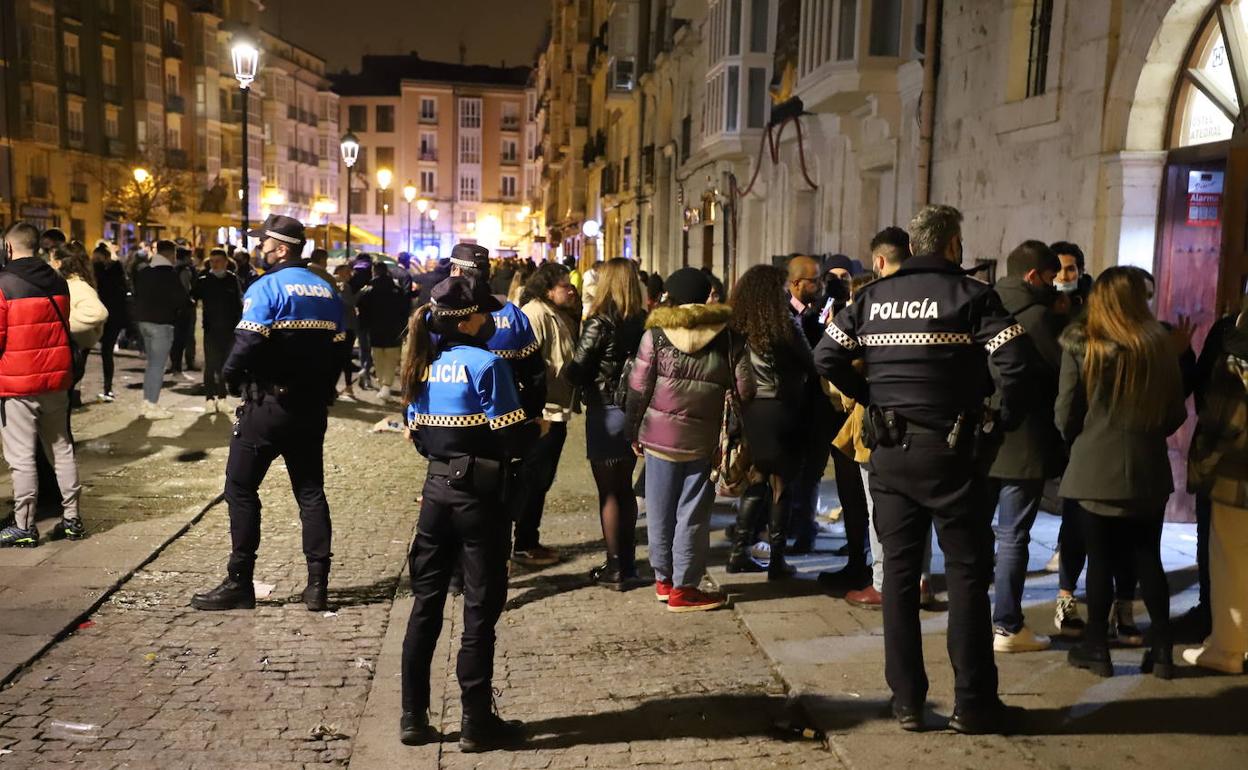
(289, 349)
(926, 334)
(465, 416)
(513, 339)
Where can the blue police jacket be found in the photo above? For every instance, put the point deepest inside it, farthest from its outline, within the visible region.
(291, 335)
(515, 343)
(467, 406)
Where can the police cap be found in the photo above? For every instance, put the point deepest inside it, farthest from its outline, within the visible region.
(288, 230)
(459, 297)
(470, 255)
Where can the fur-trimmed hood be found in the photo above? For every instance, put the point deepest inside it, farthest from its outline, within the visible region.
(690, 327)
(1074, 337)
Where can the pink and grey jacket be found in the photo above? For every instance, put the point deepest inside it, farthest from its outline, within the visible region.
(684, 366)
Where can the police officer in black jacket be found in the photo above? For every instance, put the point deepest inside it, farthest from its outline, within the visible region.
(289, 349)
(926, 334)
(465, 416)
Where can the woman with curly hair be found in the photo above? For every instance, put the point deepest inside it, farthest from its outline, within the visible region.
(781, 361)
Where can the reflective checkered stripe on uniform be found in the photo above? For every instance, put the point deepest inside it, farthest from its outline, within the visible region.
(1005, 336)
(845, 341)
(523, 352)
(448, 420)
(306, 324)
(252, 326)
(511, 418)
(914, 338)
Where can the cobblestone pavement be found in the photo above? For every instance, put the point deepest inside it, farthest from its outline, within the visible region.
(605, 679)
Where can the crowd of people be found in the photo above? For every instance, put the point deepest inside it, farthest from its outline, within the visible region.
(944, 404)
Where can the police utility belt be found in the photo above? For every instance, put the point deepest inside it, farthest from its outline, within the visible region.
(886, 428)
(487, 478)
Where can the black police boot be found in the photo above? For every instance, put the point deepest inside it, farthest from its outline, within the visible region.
(1093, 657)
(487, 731)
(316, 594)
(994, 718)
(414, 729)
(777, 568)
(749, 512)
(236, 592)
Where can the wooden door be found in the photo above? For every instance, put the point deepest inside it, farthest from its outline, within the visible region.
(1188, 264)
(708, 247)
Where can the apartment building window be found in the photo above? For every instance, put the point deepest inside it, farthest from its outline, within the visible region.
(73, 62)
(172, 86)
(734, 27)
(428, 145)
(385, 118)
(469, 148)
(508, 186)
(885, 33)
(469, 113)
(112, 123)
(357, 117)
(151, 22)
(74, 122)
(759, 21)
(468, 218)
(1038, 46)
(428, 109)
(385, 158)
(361, 162)
(356, 202)
(108, 68)
(733, 95)
(428, 183)
(510, 153)
(469, 189)
(847, 30)
(511, 116)
(173, 133)
(756, 115)
(171, 21)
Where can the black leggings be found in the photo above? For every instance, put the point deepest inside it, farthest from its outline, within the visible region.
(1110, 538)
(617, 507)
(112, 330)
(1074, 554)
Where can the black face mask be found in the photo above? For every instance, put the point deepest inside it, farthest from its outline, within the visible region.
(836, 290)
(486, 332)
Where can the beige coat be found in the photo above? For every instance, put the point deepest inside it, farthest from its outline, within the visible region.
(557, 341)
(86, 313)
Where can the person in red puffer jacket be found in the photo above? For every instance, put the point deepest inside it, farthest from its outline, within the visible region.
(35, 376)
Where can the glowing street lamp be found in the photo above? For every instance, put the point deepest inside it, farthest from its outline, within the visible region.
(350, 148)
(246, 62)
(384, 177)
(141, 175)
(409, 195)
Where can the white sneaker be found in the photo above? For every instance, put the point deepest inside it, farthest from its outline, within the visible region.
(1055, 564)
(384, 393)
(1023, 641)
(155, 411)
(189, 376)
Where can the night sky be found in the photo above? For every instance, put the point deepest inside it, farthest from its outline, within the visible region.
(343, 30)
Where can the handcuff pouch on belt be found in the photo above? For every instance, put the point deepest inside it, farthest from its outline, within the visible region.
(882, 428)
(487, 478)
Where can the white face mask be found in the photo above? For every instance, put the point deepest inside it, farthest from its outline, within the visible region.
(219, 273)
(1068, 288)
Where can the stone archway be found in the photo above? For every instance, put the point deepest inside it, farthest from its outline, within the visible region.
(1136, 120)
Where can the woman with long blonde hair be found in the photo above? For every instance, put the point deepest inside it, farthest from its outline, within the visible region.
(1120, 397)
(609, 339)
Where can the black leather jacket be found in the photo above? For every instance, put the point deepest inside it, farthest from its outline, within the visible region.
(606, 344)
(783, 372)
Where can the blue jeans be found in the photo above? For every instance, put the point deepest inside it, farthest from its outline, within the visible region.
(157, 341)
(1018, 502)
(679, 496)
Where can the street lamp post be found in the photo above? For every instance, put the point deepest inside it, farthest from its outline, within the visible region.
(409, 195)
(384, 177)
(350, 147)
(422, 206)
(246, 61)
(433, 228)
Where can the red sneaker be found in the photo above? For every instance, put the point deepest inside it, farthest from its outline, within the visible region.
(685, 599)
(867, 598)
(662, 589)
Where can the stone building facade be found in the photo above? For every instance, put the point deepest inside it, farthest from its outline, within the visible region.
(1115, 125)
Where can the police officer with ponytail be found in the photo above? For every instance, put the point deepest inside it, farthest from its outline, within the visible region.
(465, 416)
